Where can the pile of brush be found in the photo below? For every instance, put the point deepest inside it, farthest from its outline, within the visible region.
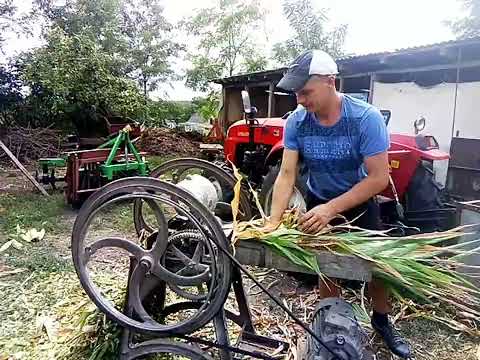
(414, 267)
(30, 144)
(161, 141)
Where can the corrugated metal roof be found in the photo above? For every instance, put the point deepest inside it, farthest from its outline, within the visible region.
(257, 74)
(449, 43)
(351, 58)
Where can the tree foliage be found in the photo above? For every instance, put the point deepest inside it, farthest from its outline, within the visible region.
(468, 26)
(207, 107)
(100, 20)
(7, 10)
(72, 74)
(134, 32)
(150, 48)
(226, 41)
(10, 95)
(97, 56)
(11, 21)
(162, 111)
(309, 32)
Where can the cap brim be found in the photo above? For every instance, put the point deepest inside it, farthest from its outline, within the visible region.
(293, 83)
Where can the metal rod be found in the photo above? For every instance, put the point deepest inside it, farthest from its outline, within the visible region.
(237, 350)
(459, 59)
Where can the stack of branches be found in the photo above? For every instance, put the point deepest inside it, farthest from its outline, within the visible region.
(190, 135)
(417, 269)
(161, 141)
(30, 144)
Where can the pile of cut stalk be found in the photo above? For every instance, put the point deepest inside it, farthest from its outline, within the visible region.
(417, 269)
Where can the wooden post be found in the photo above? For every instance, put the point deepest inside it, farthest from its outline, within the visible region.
(373, 77)
(22, 169)
(271, 99)
(222, 120)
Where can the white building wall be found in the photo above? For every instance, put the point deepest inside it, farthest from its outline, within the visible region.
(467, 115)
(408, 102)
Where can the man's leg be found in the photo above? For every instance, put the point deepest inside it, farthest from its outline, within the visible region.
(380, 322)
(329, 288)
(379, 294)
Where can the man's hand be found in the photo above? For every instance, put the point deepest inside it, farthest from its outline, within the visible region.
(316, 219)
(271, 225)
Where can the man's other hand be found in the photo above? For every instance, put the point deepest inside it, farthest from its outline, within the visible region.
(316, 219)
(271, 225)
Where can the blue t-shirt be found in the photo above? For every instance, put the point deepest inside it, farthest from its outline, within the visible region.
(334, 154)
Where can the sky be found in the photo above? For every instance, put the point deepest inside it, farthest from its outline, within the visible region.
(373, 26)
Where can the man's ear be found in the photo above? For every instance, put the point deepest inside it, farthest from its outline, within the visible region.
(331, 81)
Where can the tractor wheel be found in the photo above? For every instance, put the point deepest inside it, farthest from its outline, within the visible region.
(298, 198)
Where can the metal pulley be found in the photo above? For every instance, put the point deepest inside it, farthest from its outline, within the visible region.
(335, 323)
(202, 189)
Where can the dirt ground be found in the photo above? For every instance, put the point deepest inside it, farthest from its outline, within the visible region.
(38, 279)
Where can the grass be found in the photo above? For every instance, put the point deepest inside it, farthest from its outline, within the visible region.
(157, 160)
(31, 210)
(47, 316)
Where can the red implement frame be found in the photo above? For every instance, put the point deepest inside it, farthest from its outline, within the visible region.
(83, 175)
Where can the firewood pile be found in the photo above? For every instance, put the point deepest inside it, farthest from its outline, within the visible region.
(30, 144)
(163, 141)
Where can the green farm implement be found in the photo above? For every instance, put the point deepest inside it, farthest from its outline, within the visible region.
(89, 170)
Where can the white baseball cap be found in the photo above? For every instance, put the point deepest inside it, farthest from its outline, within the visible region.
(311, 62)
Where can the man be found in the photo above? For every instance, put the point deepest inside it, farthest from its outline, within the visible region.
(343, 142)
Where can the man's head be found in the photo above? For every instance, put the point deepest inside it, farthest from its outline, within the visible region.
(311, 77)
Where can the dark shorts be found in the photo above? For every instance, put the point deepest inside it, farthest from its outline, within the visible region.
(370, 210)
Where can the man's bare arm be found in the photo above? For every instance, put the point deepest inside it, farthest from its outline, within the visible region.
(283, 187)
(375, 182)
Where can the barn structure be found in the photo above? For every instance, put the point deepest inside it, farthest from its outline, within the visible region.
(440, 82)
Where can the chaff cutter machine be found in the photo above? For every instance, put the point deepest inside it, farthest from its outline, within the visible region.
(179, 267)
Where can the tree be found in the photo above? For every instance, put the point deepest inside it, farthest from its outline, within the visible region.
(226, 41)
(309, 32)
(100, 20)
(11, 21)
(10, 94)
(72, 75)
(468, 26)
(161, 111)
(207, 107)
(134, 32)
(7, 10)
(149, 46)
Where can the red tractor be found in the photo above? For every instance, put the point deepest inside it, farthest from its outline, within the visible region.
(414, 199)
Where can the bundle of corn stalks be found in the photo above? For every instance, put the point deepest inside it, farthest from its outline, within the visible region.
(413, 267)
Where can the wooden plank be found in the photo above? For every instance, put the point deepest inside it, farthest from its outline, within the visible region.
(251, 252)
(22, 169)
